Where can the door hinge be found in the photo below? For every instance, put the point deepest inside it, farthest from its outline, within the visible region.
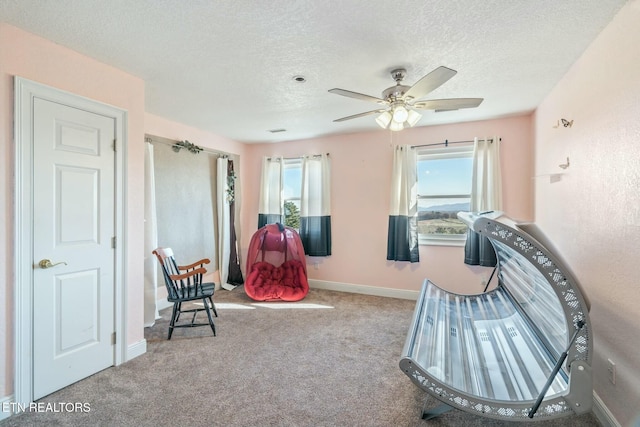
(113, 338)
(114, 145)
(113, 242)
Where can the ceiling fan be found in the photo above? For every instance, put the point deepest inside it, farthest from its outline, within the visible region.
(401, 102)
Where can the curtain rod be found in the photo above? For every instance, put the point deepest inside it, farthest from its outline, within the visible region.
(171, 142)
(447, 142)
(295, 158)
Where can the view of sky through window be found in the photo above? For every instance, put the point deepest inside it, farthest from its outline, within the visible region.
(292, 182)
(441, 177)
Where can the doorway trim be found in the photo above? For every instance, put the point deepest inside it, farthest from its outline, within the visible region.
(24, 93)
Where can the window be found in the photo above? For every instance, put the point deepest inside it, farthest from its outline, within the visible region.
(444, 189)
(285, 194)
(292, 191)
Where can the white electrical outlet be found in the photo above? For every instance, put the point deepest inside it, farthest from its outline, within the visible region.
(611, 369)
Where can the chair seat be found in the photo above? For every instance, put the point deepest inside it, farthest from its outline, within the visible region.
(193, 293)
(209, 285)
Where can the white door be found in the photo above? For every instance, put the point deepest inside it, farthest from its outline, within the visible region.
(73, 227)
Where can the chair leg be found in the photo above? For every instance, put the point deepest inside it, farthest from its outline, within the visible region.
(174, 318)
(213, 307)
(179, 310)
(206, 307)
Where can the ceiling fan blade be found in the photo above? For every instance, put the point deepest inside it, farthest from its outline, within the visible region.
(355, 116)
(430, 82)
(448, 104)
(357, 95)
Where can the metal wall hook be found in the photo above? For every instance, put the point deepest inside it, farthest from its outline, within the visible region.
(565, 123)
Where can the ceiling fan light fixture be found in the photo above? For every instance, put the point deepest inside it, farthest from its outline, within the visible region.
(396, 126)
(400, 114)
(384, 119)
(401, 102)
(413, 117)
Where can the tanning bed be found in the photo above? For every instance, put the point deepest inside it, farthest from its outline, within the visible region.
(519, 352)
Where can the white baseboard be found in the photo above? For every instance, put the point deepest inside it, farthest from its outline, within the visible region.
(363, 289)
(602, 413)
(136, 349)
(161, 304)
(341, 287)
(6, 407)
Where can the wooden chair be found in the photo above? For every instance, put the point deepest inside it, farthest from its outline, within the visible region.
(184, 283)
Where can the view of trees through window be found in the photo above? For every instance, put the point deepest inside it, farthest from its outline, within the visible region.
(444, 189)
(291, 215)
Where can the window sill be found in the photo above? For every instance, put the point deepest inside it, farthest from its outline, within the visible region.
(442, 240)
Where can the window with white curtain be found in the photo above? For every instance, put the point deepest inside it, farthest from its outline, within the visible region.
(444, 189)
(296, 192)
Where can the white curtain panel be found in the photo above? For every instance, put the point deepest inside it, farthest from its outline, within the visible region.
(486, 187)
(316, 182)
(270, 206)
(315, 205)
(224, 229)
(486, 195)
(150, 240)
(402, 237)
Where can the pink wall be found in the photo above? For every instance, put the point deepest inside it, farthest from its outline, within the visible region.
(361, 171)
(162, 127)
(26, 55)
(593, 212)
(159, 126)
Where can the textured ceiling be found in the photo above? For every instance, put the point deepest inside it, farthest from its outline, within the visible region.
(228, 66)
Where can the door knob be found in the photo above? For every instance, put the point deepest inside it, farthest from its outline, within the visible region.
(46, 263)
